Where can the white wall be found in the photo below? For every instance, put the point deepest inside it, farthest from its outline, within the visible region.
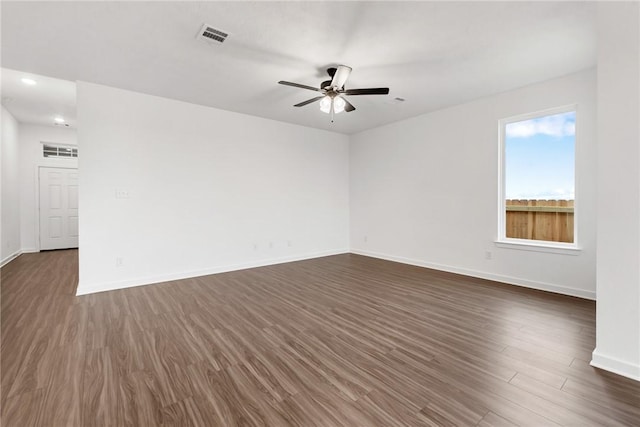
(31, 157)
(424, 190)
(10, 192)
(618, 308)
(209, 190)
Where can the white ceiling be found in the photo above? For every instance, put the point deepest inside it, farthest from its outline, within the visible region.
(41, 103)
(433, 54)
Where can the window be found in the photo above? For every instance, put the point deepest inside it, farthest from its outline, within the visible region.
(49, 150)
(537, 188)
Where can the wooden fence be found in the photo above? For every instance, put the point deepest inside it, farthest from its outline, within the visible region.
(550, 220)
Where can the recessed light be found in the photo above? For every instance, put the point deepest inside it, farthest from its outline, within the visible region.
(28, 81)
(59, 120)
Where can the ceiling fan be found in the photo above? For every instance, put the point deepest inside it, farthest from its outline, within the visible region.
(333, 92)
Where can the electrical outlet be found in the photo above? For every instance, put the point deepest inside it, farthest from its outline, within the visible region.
(289, 243)
(488, 255)
(366, 239)
(119, 261)
(270, 245)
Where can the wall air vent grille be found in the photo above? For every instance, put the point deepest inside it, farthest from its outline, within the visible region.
(210, 34)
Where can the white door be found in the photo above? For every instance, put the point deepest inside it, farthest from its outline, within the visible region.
(58, 208)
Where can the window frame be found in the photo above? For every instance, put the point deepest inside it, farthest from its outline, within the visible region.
(72, 150)
(529, 244)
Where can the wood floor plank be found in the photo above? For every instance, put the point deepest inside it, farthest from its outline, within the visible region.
(24, 409)
(493, 420)
(26, 377)
(594, 413)
(100, 386)
(387, 410)
(336, 341)
(63, 399)
(139, 400)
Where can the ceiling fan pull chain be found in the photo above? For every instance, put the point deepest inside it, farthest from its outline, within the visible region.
(332, 110)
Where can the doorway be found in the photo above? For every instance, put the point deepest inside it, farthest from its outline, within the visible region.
(58, 208)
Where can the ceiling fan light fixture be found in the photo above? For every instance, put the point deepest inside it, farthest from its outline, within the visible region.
(325, 104)
(338, 104)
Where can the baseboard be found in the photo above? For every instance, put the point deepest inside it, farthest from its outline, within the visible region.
(542, 286)
(141, 281)
(617, 366)
(10, 258)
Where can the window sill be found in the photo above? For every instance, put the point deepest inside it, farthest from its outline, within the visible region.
(538, 246)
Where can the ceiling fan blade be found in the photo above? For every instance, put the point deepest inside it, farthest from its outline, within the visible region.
(309, 101)
(282, 82)
(340, 76)
(348, 106)
(370, 91)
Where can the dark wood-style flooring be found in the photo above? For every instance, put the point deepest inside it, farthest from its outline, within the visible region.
(337, 341)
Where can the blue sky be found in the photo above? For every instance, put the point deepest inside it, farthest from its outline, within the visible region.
(540, 158)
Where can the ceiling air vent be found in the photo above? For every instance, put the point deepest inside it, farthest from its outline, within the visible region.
(210, 34)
